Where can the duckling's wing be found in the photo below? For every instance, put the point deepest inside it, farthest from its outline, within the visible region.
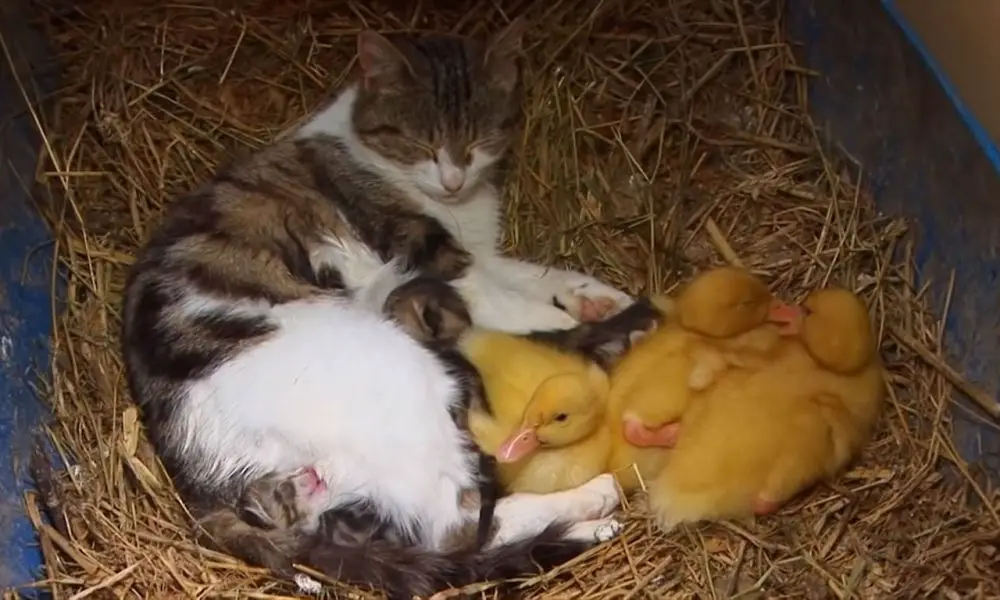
(810, 452)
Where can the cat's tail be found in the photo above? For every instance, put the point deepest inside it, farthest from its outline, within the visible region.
(402, 572)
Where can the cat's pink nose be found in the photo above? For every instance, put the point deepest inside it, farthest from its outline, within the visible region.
(452, 179)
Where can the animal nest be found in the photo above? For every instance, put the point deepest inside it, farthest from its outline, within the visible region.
(661, 138)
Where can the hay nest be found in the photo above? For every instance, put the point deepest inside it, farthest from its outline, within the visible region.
(661, 138)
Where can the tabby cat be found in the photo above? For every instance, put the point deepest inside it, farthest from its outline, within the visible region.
(254, 340)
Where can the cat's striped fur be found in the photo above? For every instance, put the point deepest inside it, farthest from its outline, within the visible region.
(281, 260)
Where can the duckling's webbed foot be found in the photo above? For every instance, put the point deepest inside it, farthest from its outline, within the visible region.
(664, 436)
(763, 507)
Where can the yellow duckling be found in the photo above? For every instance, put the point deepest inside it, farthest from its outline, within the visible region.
(760, 436)
(547, 428)
(724, 317)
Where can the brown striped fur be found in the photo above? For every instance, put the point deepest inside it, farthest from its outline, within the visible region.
(405, 127)
(250, 236)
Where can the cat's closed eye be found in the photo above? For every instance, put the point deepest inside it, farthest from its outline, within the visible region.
(492, 143)
(417, 145)
(393, 135)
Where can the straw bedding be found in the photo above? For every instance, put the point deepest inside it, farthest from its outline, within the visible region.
(661, 138)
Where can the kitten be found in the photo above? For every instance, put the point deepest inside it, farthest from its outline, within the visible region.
(254, 344)
(432, 311)
(295, 503)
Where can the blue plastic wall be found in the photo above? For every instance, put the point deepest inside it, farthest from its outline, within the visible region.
(881, 96)
(25, 303)
(878, 96)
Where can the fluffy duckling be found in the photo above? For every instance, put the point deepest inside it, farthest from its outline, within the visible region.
(725, 317)
(546, 426)
(541, 412)
(760, 436)
(548, 390)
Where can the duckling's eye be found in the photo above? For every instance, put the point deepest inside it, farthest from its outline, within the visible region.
(561, 417)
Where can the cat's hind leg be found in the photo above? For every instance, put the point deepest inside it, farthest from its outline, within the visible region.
(586, 509)
(596, 531)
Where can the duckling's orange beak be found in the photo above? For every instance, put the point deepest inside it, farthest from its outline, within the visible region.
(788, 317)
(522, 443)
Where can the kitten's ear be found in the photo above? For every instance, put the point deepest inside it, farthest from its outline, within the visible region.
(380, 60)
(502, 51)
(252, 510)
(431, 319)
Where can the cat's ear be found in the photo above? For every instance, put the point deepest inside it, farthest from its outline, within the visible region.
(502, 51)
(381, 62)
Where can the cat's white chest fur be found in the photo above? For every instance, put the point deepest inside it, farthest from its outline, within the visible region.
(475, 223)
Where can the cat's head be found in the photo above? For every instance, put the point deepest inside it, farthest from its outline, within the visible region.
(441, 110)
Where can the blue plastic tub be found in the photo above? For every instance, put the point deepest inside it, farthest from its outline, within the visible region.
(879, 96)
(26, 305)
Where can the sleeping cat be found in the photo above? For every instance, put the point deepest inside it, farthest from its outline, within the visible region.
(437, 121)
(253, 335)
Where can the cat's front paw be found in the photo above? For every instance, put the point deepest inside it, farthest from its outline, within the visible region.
(533, 316)
(587, 299)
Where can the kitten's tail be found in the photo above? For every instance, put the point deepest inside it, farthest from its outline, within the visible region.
(403, 572)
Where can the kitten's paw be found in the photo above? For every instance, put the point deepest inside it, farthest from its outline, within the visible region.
(588, 299)
(596, 531)
(307, 585)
